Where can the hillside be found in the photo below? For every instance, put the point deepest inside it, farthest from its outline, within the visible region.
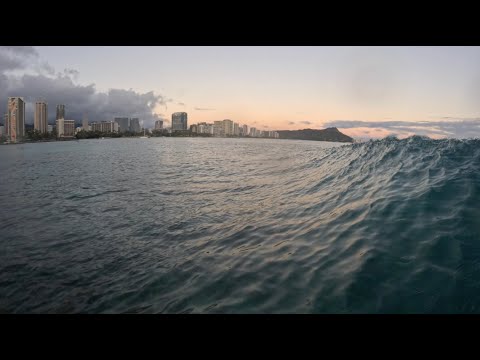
(328, 134)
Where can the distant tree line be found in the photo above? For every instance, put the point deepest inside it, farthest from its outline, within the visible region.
(84, 134)
(35, 135)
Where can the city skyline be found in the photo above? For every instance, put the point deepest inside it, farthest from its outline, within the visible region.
(363, 91)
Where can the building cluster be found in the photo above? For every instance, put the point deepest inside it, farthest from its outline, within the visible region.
(14, 124)
(229, 128)
(127, 124)
(218, 128)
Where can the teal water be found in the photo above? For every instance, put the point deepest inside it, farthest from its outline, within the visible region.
(199, 225)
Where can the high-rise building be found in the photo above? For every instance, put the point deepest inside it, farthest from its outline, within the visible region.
(59, 124)
(65, 128)
(179, 121)
(49, 128)
(253, 132)
(245, 130)
(236, 129)
(227, 127)
(40, 120)
(69, 128)
(123, 123)
(193, 128)
(16, 118)
(60, 112)
(218, 129)
(134, 125)
(85, 122)
(159, 125)
(204, 128)
(2, 130)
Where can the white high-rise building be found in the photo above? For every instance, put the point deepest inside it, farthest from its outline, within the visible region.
(218, 129)
(227, 127)
(60, 125)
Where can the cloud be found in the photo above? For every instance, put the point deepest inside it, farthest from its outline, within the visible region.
(291, 123)
(45, 67)
(450, 127)
(306, 122)
(21, 50)
(204, 109)
(62, 88)
(71, 73)
(181, 104)
(16, 57)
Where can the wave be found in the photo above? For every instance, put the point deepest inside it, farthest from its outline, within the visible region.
(402, 222)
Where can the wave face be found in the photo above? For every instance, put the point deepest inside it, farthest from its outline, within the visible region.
(173, 225)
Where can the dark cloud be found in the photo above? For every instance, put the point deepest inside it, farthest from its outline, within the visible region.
(62, 88)
(16, 57)
(21, 50)
(450, 127)
(306, 122)
(181, 104)
(291, 123)
(45, 68)
(204, 109)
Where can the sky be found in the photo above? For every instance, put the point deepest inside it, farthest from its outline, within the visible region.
(364, 91)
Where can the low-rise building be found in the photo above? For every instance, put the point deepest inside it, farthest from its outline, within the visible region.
(104, 126)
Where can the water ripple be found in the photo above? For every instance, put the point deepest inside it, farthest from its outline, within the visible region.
(194, 225)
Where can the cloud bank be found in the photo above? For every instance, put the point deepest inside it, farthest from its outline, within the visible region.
(449, 127)
(63, 88)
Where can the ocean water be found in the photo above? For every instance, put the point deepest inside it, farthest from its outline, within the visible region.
(198, 225)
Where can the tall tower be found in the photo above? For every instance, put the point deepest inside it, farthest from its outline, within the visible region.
(40, 119)
(135, 125)
(179, 121)
(123, 123)
(60, 112)
(16, 118)
(85, 122)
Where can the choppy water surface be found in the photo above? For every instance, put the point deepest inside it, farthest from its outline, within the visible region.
(201, 225)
